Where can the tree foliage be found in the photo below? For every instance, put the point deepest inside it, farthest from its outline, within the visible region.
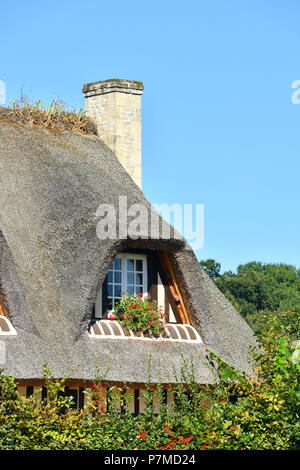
(257, 287)
(211, 267)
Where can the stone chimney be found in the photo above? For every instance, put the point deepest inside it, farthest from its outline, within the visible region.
(115, 105)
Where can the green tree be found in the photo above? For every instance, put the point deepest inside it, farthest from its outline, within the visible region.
(257, 286)
(211, 267)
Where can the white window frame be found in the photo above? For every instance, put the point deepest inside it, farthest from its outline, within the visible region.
(124, 285)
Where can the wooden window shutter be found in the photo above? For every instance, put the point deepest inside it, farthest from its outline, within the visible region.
(173, 286)
(104, 296)
(152, 270)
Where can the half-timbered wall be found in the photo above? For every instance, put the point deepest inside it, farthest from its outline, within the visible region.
(135, 399)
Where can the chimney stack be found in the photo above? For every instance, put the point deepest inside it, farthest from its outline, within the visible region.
(115, 105)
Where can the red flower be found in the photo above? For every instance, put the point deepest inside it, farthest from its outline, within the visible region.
(143, 435)
(140, 294)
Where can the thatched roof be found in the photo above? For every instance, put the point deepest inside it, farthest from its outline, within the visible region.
(52, 264)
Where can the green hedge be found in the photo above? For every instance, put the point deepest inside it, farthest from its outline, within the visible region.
(261, 412)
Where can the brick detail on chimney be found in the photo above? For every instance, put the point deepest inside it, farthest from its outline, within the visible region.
(115, 105)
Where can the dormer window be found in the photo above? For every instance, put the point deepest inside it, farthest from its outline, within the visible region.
(126, 275)
(141, 271)
(147, 273)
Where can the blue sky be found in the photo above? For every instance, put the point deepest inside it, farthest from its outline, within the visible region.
(219, 125)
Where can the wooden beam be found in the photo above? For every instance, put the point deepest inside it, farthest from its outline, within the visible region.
(169, 271)
(2, 310)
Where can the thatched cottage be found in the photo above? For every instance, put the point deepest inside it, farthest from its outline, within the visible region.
(59, 280)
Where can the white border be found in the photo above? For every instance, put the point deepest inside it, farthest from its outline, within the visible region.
(142, 337)
(11, 332)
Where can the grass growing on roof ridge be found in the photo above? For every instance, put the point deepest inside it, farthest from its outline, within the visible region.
(54, 116)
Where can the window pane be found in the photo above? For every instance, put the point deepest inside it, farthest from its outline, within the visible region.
(134, 271)
(109, 304)
(130, 264)
(117, 291)
(117, 264)
(139, 265)
(110, 290)
(130, 278)
(130, 290)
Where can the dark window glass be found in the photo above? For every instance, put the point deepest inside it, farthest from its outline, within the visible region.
(130, 264)
(117, 264)
(117, 291)
(130, 290)
(130, 278)
(139, 265)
